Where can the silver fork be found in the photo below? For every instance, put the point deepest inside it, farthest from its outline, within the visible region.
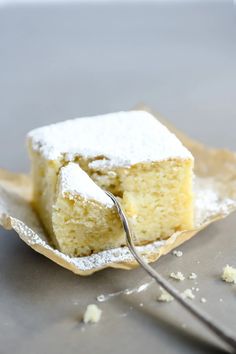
(221, 332)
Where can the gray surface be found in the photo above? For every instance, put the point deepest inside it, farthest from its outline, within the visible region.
(63, 61)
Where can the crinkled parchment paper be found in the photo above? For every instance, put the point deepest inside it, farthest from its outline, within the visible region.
(215, 198)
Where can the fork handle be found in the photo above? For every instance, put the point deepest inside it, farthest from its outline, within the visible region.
(222, 333)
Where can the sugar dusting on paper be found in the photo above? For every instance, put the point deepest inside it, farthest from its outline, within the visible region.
(210, 200)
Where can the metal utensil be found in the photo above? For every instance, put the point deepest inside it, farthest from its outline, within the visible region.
(223, 333)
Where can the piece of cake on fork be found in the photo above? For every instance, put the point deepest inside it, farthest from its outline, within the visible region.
(130, 154)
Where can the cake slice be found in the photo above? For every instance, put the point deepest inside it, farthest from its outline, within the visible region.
(130, 154)
(84, 218)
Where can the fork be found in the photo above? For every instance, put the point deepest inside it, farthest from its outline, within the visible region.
(221, 332)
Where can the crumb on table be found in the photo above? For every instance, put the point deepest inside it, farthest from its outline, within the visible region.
(192, 275)
(188, 294)
(229, 274)
(177, 253)
(165, 296)
(92, 314)
(177, 276)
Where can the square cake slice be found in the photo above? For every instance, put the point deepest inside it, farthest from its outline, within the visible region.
(130, 154)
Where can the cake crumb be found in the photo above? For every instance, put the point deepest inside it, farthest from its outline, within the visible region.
(92, 314)
(203, 300)
(192, 276)
(177, 276)
(165, 296)
(229, 274)
(188, 294)
(177, 253)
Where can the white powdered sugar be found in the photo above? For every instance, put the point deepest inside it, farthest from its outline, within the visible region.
(74, 181)
(87, 263)
(116, 139)
(210, 200)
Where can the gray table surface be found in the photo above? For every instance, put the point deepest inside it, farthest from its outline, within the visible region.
(63, 61)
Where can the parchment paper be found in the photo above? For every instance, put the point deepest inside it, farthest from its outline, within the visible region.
(215, 198)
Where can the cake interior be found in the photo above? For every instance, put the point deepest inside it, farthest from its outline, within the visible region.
(84, 226)
(157, 198)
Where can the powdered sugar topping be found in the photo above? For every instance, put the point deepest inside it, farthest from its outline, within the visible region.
(118, 139)
(74, 181)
